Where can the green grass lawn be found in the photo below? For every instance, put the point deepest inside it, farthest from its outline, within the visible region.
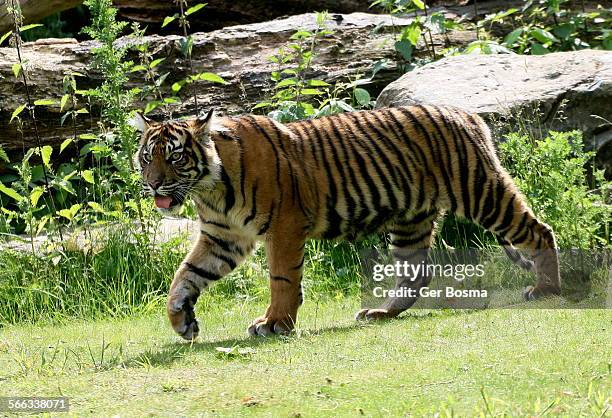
(491, 362)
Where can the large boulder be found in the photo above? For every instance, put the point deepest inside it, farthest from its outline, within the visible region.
(565, 90)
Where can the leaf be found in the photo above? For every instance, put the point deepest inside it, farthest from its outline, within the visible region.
(538, 49)
(44, 102)
(69, 175)
(28, 27)
(138, 68)
(286, 82)
(513, 36)
(362, 96)
(66, 214)
(88, 136)
(543, 36)
(412, 33)
(63, 118)
(17, 112)
(564, 30)
(262, 104)
(168, 20)
(10, 192)
(63, 101)
(45, 154)
(419, 4)
(211, 77)
(405, 49)
(151, 106)
(96, 206)
(234, 352)
(161, 79)
(317, 83)
(3, 155)
(436, 23)
(41, 225)
(65, 143)
(70, 213)
(156, 62)
(6, 35)
(35, 195)
(194, 9)
(16, 69)
(88, 176)
(310, 92)
(301, 34)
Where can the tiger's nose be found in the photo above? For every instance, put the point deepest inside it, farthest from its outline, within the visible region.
(154, 184)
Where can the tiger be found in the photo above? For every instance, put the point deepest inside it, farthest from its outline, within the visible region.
(393, 170)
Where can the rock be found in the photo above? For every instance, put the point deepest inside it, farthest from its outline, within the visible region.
(238, 53)
(92, 238)
(575, 85)
(221, 13)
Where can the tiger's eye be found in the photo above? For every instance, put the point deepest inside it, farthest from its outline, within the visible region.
(176, 156)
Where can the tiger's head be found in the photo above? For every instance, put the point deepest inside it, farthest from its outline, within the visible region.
(175, 157)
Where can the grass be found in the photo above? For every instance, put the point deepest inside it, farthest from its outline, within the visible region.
(456, 363)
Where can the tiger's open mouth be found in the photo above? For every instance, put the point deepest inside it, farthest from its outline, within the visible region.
(167, 202)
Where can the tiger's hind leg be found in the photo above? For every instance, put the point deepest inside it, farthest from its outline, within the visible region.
(506, 214)
(411, 239)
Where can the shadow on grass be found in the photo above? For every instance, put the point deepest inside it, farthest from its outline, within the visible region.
(175, 351)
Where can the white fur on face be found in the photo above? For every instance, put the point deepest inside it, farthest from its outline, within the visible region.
(139, 122)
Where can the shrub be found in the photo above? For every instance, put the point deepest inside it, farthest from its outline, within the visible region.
(552, 174)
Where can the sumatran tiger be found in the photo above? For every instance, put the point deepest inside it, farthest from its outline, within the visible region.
(396, 170)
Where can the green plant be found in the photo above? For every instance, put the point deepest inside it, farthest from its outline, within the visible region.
(292, 88)
(423, 26)
(544, 26)
(551, 173)
(119, 142)
(116, 274)
(299, 96)
(28, 197)
(186, 46)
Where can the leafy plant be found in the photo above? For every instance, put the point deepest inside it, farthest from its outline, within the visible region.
(423, 26)
(297, 95)
(28, 206)
(292, 88)
(544, 26)
(552, 174)
(186, 45)
(118, 139)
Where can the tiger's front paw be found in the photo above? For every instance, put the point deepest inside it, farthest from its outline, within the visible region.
(267, 326)
(182, 316)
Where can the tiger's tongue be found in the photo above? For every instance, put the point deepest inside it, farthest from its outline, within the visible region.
(163, 202)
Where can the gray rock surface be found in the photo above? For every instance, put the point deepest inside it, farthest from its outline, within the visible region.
(570, 90)
(240, 54)
(88, 239)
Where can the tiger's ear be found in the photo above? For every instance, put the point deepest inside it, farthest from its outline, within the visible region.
(203, 123)
(140, 122)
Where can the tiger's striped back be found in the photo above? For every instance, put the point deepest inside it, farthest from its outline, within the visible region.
(351, 174)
